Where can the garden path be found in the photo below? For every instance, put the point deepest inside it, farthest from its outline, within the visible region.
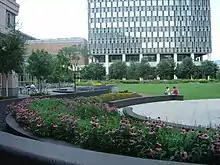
(188, 112)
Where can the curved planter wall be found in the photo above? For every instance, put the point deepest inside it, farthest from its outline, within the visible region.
(17, 150)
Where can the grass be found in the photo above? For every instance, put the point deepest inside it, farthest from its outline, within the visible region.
(189, 90)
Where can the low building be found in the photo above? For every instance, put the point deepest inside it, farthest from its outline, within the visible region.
(53, 46)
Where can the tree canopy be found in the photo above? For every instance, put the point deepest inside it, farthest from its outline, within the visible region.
(166, 68)
(40, 65)
(12, 49)
(93, 71)
(117, 70)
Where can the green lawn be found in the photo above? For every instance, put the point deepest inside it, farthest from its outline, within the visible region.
(189, 90)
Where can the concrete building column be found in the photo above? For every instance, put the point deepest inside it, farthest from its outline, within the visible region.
(175, 57)
(140, 57)
(193, 56)
(123, 58)
(107, 63)
(90, 60)
(11, 84)
(158, 58)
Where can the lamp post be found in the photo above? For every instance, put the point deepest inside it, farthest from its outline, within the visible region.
(74, 80)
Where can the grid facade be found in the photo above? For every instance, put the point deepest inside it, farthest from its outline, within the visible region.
(149, 27)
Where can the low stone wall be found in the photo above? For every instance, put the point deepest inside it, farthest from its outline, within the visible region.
(5, 103)
(142, 100)
(16, 150)
(110, 88)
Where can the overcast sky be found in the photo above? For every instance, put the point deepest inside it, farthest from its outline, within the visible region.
(68, 18)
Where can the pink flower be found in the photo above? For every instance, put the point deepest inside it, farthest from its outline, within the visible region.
(204, 136)
(55, 126)
(184, 155)
(39, 125)
(149, 153)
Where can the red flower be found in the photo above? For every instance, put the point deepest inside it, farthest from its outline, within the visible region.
(149, 153)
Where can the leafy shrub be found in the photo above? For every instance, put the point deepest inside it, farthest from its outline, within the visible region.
(118, 96)
(90, 124)
(178, 81)
(5, 97)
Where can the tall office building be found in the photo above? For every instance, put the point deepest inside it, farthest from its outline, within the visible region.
(129, 30)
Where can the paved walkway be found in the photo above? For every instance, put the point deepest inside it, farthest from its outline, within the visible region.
(189, 112)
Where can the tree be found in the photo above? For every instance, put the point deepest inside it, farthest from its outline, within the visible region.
(144, 69)
(132, 71)
(117, 70)
(93, 71)
(61, 72)
(197, 72)
(185, 69)
(209, 68)
(166, 68)
(74, 53)
(218, 75)
(12, 49)
(40, 65)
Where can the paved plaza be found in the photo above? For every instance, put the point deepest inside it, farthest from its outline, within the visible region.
(189, 112)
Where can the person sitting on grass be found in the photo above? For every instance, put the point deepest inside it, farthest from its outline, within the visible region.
(167, 91)
(175, 91)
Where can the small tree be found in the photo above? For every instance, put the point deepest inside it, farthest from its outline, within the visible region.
(132, 71)
(40, 65)
(93, 71)
(117, 70)
(12, 49)
(74, 53)
(197, 72)
(209, 68)
(61, 72)
(218, 75)
(144, 69)
(166, 68)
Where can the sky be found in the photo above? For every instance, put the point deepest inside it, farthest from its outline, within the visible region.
(45, 19)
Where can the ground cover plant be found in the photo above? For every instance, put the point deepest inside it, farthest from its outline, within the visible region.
(189, 90)
(92, 124)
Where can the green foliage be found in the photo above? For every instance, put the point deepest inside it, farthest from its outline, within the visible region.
(61, 72)
(132, 71)
(93, 71)
(209, 68)
(41, 66)
(73, 53)
(143, 69)
(117, 70)
(166, 68)
(12, 49)
(185, 69)
(218, 75)
(197, 72)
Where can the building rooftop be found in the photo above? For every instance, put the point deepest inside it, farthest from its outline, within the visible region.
(58, 40)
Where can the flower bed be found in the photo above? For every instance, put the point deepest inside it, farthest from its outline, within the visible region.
(118, 96)
(90, 124)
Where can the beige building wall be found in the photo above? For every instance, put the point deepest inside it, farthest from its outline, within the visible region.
(53, 46)
(8, 8)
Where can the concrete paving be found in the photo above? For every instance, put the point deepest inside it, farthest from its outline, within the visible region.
(188, 112)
